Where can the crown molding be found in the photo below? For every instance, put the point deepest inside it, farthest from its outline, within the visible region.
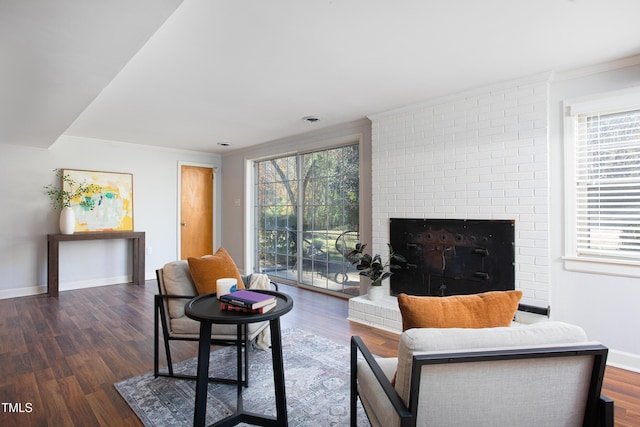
(523, 81)
(617, 64)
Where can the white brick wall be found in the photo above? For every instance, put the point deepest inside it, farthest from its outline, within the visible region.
(475, 156)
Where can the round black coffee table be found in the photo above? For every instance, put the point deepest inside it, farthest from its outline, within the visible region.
(207, 310)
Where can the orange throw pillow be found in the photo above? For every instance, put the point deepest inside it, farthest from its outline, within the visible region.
(484, 310)
(207, 270)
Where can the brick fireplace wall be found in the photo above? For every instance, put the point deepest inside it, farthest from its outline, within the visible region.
(477, 155)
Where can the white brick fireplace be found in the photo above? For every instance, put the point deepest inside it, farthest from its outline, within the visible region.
(477, 155)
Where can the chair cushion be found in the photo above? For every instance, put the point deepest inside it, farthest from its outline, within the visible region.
(375, 402)
(177, 281)
(185, 327)
(207, 270)
(484, 310)
(548, 391)
(423, 340)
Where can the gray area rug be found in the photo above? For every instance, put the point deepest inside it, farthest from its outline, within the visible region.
(316, 378)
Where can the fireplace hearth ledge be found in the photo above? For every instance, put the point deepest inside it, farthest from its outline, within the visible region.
(385, 314)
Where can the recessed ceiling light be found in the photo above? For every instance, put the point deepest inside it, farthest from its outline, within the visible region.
(224, 144)
(311, 119)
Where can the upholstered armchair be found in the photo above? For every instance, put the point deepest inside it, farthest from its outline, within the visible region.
(176, 287)
(543, 374)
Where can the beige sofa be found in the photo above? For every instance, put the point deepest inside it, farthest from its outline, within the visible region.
(543, 374)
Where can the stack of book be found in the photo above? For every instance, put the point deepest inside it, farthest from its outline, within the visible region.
(246, 301)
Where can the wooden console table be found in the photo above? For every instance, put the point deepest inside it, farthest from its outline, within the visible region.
(53, 253)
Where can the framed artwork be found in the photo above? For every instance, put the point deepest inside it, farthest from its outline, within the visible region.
(106, 202)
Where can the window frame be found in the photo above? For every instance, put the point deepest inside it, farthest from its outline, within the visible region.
(628, 99)
(361, 138)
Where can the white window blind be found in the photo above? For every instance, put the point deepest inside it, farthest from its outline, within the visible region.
(607, 180)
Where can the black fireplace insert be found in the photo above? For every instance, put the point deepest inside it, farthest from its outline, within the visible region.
(453, 256)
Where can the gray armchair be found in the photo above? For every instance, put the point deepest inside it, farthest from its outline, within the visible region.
(175, 289)
(545, 374)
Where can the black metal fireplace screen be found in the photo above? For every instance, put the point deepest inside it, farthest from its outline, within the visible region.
(453, 257)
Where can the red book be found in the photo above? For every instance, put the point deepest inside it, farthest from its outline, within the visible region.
(230, 307)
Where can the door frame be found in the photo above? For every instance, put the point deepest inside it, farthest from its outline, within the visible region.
(322, 143)
(216, 204)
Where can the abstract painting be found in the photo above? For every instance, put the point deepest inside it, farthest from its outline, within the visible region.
(107, 205)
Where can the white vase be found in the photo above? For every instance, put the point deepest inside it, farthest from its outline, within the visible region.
(67, 221)
(376, 293)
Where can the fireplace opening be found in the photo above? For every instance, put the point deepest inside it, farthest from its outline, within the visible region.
(453, 257)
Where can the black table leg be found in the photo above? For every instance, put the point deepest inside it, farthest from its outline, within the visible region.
(239, 364)
(204, 347)
(278, 373)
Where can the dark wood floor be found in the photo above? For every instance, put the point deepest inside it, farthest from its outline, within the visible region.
(59, 357)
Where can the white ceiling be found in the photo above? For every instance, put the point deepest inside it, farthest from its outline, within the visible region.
(246, 72)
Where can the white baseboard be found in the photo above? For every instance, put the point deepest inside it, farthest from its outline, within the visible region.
(69, 286)
(622, 360)
(23, 292)
(94, 283)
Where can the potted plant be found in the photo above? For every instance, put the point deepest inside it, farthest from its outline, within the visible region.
(62, 199)
(373, 267)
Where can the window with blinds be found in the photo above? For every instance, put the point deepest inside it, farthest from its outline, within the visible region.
(607, 184)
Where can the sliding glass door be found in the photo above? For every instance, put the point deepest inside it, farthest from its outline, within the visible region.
(307, 210)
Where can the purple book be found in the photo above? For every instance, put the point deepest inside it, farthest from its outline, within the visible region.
(248, 299)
